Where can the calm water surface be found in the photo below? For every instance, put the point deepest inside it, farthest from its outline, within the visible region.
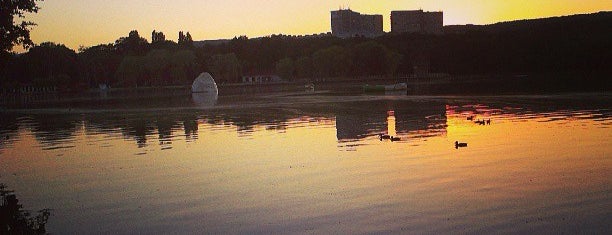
(315, 163)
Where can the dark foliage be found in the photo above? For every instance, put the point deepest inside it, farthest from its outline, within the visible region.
(48, 64)
(98, 64)
(133, 44)
(13, 33)
(14, 220)
(157, 37)
(553, 50)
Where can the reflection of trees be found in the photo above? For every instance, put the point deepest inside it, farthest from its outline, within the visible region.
(132, 126)
(15, 220)
(138, 129)
(139, 126)
(165, 125)
(100, 124)
(190, 126)
(245, 120)
(54, 129)
(9, 127)
(354, 120)
(558, 107)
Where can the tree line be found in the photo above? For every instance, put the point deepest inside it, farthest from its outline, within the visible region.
(571, 45)
(134, 62)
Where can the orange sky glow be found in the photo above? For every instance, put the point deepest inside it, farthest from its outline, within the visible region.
(89, 22)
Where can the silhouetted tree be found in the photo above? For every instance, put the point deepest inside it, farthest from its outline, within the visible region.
(574, 45)
(185, 40)
(334, 61)
(157, 37)
(164, 45)
(14, 220)
(132, 45)
(225, 68)
(132, 71)
(14, 33)
(181, 37)
(285, 68)
(158, 64)
(8, 78)
(98, 64)
(188, 38)
(303, 67)
(393, 61)
(370, 58)
(49, 64)
(184, 67)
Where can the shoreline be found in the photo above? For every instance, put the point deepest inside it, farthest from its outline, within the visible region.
(446, 85)
(270, 100)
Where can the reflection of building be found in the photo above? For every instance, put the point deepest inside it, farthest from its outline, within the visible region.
(391, 123)
(347, 23)
(423, 119)
(417, 22)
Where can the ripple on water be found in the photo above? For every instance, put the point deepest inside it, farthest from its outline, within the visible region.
(322, 165)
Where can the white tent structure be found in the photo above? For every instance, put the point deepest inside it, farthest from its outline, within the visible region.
(205, 84)
(204, 91)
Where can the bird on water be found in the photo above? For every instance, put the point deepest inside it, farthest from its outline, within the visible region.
(460, 145)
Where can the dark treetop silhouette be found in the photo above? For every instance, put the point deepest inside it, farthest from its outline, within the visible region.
(567, 51)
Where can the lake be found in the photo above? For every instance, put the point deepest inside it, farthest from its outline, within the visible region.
(314, 163)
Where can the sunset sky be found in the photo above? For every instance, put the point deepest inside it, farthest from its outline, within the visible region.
(93, 22)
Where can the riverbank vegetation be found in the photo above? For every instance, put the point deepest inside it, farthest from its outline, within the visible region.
(573, 46)
(15, 220)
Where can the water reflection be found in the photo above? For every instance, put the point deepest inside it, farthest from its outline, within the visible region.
(9, 126)
(233, 168)
(391, 123)
(204, 99)
(54, 130)
(353, 121)
(138, 128)
(190, 126)
(411, 119)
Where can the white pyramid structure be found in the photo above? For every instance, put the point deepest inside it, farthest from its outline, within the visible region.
(205, 84)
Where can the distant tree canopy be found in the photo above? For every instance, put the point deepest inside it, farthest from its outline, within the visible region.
(98, 64)
(334, 61)
(285, 68)
(185, 39)
(48, 64)
(132, 71)
(157, 37)
(133, 44)
(14, 33)
(224, 67)
(576, 45)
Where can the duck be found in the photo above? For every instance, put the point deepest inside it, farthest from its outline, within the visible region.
(395, 138)
(384, 137)
(460, 145)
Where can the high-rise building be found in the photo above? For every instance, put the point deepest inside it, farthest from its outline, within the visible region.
(417, 22)
(347, 23)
